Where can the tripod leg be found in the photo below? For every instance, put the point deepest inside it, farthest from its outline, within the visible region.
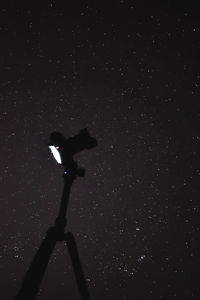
(33, 277)
(80, 279)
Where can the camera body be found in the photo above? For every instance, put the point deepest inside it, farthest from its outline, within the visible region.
(67, 148)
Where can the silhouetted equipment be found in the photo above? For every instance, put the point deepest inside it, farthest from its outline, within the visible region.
(64, 149)
(33, 278)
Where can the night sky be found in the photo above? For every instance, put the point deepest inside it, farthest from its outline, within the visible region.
(129, 72)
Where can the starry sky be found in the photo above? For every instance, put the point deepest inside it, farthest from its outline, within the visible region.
(128, 71)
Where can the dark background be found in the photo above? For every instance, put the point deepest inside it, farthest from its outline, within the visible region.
(129, 72)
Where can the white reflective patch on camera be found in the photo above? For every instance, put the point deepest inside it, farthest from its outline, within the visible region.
(56, 154)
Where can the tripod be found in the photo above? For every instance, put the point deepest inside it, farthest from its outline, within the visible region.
(33, 278)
